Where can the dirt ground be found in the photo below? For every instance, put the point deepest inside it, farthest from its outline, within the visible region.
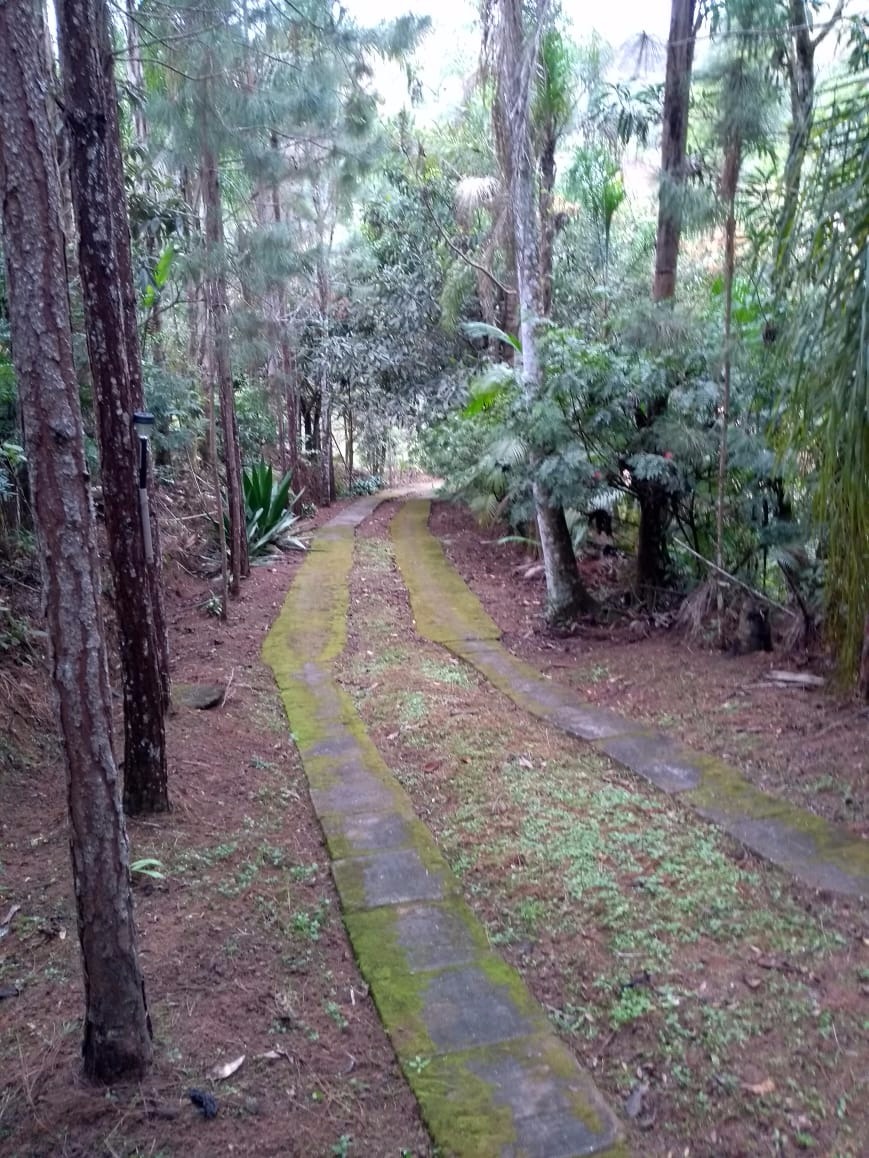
(242, 944)
(811, 747)
(744, 1047)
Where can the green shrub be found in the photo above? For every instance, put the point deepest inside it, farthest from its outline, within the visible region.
(268, 509)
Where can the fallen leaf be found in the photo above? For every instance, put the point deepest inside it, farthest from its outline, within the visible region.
(220, 1073)
(767, 1086)
(753, 982)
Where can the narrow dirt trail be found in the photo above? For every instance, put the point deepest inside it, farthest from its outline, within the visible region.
(717, 1000)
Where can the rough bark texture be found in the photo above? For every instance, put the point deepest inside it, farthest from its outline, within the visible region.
(216, 310)
(86, 62)
(729, 182)
(674, 139)
(117, 1039)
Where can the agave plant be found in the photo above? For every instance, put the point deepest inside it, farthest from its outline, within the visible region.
(268, 509)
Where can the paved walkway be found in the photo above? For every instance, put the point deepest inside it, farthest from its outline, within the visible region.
(490, 1074)
(447, 612)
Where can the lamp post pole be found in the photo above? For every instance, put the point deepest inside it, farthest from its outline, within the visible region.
(142, 424)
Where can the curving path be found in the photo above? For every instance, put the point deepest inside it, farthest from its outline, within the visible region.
(490, 1074)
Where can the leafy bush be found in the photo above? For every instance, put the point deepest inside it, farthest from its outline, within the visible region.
(176, 404)
(268, 509)
(367, 485)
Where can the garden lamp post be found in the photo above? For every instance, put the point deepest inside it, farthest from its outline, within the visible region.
(142, 425)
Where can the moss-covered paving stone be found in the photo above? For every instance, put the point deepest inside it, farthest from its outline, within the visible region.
(813, 850)
(447, 999)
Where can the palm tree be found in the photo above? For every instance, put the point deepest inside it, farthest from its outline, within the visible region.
(512, 36)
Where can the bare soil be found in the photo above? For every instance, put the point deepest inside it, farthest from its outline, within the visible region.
(808, 746)
(242, 944)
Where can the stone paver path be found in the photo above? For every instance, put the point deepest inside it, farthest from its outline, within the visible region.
(448, 613)
(491, 1076)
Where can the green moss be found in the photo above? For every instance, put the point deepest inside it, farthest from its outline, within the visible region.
(724, 790)
(398, 994)
(444, 607)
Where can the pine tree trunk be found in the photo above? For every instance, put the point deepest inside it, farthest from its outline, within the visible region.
(729, 181)
(674, 141)
(217, 307)
(104, 262)
(117, 1038)
(292, 410)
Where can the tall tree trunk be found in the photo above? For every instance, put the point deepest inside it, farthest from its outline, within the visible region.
(217, 311)
(653, 560)
(547, 223)
(517, 53)
(674, 140)
(801, 81)
(729, 181)
(292, 408)
(114, 361)
(117, 1032)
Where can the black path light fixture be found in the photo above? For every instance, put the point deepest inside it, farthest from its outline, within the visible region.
(143, 423)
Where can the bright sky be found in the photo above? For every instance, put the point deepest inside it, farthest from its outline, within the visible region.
(451, 49)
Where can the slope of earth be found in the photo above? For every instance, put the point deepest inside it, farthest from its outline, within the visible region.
(808, 746)
(242, 944)
(720, 1004)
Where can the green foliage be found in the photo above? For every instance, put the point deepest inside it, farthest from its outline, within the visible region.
(174, 400)
(828, 338)
(11, 458)
(267, 508)
(366, 485)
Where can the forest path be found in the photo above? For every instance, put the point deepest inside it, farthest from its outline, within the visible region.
(561, 827)
(447, 612)
(489, 1072)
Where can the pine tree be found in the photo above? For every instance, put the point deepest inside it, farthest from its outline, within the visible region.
(90, 110)
(117, 1032)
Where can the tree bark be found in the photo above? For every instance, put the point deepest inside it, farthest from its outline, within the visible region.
(217, 313)
(547, 223)
(801, 80)
(653, 560)
(117, 1037)
(517, 55)
(729, 181)
(674, 141)
(104, 264)
(566, 595)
